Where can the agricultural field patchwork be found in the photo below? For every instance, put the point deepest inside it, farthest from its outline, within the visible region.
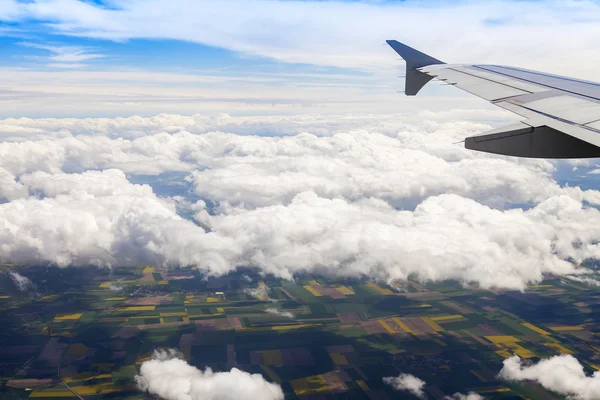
(85, 332)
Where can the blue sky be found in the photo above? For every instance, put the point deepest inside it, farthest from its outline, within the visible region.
(125, 57)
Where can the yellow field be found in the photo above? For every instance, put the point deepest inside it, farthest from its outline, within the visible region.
(499, 390)
(86, 378)
(287, 327)
(561, 349)
(502, 339)
(313, 282)
(220, 309)
(49, 297)
(4, 297)
(447, 317)
(345, 290)
(212, 300)
(523, 352)
(115, 298)
(510, 343)
(310, 385)
(52, 393)
(138, 308)
(148, 270)
(338, 359)
(432, 324)
(379, 289)
(535, 328)
(312, 291)
(504, 353)
(68, 316)
(173, 314)
(387, 327)
(402, 325)
(567, 328)
(363, 385)
(163, 282)
(481, 378)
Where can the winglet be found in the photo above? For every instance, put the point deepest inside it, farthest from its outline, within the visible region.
(415, 79)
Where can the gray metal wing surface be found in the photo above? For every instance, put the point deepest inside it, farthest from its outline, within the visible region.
(561, 116)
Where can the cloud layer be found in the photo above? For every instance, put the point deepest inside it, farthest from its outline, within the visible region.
(172, 378)
(386, 197)
(562, 374)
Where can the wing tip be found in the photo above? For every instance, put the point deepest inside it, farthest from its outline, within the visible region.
(414, 58)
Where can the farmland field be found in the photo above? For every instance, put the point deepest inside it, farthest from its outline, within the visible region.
(317, 337)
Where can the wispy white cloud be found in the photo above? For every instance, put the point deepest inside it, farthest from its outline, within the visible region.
(22, 283)
(499, 32)
(64, 56)
(303, 31)
(66, 65)
(562, 374)
(276, 311)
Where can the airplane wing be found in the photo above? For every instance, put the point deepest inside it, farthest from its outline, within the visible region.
(561, 115)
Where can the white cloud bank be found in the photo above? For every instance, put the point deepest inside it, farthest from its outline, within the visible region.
(407, 382)
(171, 378)
(380, 196)
(562, 374)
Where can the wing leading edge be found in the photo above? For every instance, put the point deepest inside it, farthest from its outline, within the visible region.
(562, 115)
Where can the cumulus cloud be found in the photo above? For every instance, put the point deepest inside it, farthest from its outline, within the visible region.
(172, 378)
(468, 396)
(407, 382)
(22, 283)
(382, 196)
(399, 159)
(445, 237)
(261, 293)
(121, 224)
(562, 374)
(276, 311)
